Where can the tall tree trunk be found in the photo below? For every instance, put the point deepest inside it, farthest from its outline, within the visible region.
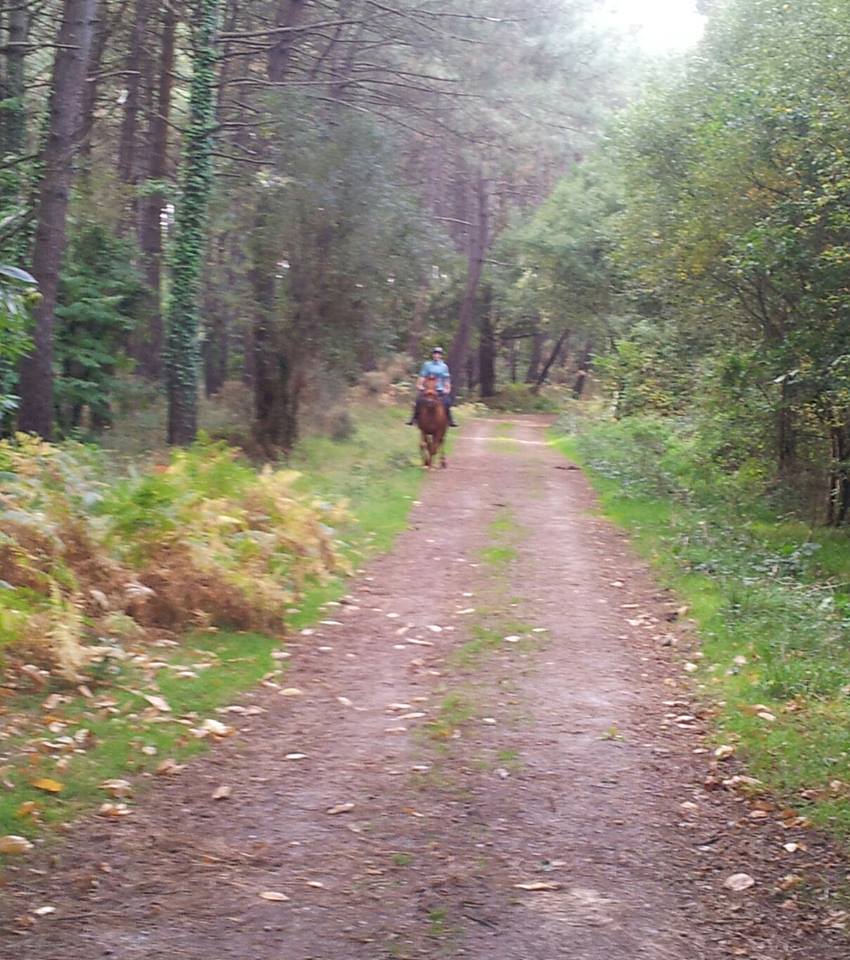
(128, 143)
(181, 352)
(479, 240)
(216, 347)
(66, 99)
(14, 115)
(102, 35)
(583, 369)
(417, 323)
(839, 476)
(553, 356)
(537, 341)
(287, 15)
(149, 344)
(487, 347)
(274, 377)
(274, 380)
(785, 433)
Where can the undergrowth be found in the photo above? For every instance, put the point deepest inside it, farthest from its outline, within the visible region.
(771, 596)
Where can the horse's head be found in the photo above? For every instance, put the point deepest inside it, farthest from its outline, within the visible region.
(429, 389)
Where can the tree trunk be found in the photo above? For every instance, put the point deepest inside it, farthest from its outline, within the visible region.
(275, 397)
(553, 356)
(66, 100)
(149, 345)
(288, 14)
(487, 348)
(537, 341)
(417, 323)
(583, 369)
(182, 353)
(216, 347)
(478, 242)
(839, 478)
(127, 146)
(14, 115)
(785, 433)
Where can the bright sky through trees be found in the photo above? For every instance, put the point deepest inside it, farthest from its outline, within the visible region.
(659, 25)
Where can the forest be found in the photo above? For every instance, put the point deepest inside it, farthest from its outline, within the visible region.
(232, 230)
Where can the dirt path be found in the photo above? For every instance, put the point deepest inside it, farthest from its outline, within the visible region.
(498, 702)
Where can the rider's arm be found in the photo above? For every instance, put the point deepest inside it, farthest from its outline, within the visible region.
(420, 383)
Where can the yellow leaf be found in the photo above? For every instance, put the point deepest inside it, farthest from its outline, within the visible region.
(10, 844)
(48, 785)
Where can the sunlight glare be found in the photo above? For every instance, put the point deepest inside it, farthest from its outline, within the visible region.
(659, 25)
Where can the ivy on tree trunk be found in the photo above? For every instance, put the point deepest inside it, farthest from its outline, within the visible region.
(182, 353)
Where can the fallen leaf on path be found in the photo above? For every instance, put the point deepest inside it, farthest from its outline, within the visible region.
(434, 628)
(535, 885)
(48, 785)
(295, 756)
(221, 793)
(345, 701)
(43, 911)
(13, 845)
(513, 638)
(214, 728)
(167, 767)
(159, 702)
(724, 752)
(739, 882)
(117, 788)
(789, 881)
(291, 692)
(340, 808)
(113, 810)
(316, 883)
(274, 896)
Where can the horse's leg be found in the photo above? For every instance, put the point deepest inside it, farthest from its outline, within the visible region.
(423, 449)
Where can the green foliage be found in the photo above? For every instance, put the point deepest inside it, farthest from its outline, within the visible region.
(17, 294)
(100, 294)
(733, 236)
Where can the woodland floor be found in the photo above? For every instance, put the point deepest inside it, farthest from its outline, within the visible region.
(559, 758)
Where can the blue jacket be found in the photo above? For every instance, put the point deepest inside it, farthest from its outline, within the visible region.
(438, 369)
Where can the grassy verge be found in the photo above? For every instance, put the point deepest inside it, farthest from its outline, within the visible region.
(61, 744)
(772, 601)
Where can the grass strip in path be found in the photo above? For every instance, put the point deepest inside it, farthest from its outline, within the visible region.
(771, 603)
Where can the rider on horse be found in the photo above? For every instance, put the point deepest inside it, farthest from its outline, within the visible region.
(435, 367)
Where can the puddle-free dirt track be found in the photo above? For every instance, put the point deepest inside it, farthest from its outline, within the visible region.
(487, 757)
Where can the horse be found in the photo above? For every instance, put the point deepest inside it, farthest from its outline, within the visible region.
(433, 421)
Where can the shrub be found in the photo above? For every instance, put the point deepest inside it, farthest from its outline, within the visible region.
(204, 539)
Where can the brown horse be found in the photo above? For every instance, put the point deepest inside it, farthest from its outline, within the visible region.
(433, 421)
